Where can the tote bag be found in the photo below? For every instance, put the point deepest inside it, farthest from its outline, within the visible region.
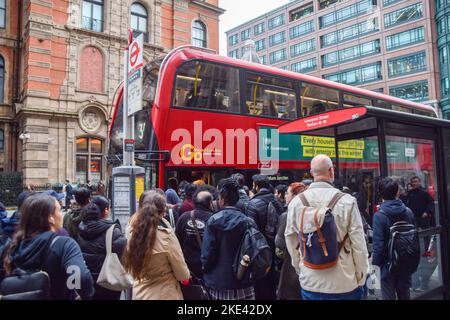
(112, 275)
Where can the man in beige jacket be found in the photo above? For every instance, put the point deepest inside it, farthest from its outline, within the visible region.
(346, 279)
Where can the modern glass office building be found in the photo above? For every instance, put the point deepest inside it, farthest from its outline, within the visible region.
(443, 43)
(398, 47)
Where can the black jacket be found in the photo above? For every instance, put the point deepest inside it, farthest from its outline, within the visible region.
(186, 234)
(92, 241)
(243, 201)
(396, 211)
(63, 262)
(419, 201)
(257, 207)
(223, 235)
(288, 284)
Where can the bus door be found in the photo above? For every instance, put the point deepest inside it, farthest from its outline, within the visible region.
(411, 157)
(358, 163)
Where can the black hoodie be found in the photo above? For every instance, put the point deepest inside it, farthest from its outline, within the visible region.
(64, 263)
(92, 241)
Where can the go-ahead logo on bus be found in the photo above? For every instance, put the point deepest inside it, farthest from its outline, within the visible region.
(323, 120)
(188, 152)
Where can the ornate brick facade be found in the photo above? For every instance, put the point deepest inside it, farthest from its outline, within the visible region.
(68, 75)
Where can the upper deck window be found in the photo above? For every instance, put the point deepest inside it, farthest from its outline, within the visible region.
(270, 97)
(202, 85)
(351, 100)
(317, 99)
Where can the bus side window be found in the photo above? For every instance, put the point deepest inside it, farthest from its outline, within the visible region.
(317, 99)
(270, 97)
(207, 86)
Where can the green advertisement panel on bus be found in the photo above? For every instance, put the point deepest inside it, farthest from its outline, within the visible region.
(295, 147)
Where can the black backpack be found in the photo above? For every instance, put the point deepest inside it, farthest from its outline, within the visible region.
(403, 247)
(254, 245)
(273, 216)
(28, 284)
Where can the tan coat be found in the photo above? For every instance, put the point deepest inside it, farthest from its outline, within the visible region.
(352, 268)
(165, 268)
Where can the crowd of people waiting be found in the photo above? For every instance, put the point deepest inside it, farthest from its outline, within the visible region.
(194, 232)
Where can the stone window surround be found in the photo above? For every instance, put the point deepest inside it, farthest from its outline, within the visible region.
(90, 154)
(107, 18)
(149, 18)
(206, 29)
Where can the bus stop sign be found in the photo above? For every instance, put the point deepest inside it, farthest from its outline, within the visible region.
(135, 64)
(129, 145)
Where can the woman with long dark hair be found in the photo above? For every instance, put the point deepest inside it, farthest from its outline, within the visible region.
(92, 240)
(153, 255)
(36, 245)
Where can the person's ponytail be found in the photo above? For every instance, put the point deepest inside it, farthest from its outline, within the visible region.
(143, 236)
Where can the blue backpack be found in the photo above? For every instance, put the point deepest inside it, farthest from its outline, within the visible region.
(319, 246)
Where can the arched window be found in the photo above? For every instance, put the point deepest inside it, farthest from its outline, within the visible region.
(91, 70)
(2, 140)
(139, 20)
(2, 78)
(93, 15)
(89, 160)
(199, 34)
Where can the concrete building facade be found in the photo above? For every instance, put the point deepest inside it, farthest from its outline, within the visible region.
(388, 46)
(62, 63)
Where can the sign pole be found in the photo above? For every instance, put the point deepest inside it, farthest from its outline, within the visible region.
(125, 107)
(129, 180)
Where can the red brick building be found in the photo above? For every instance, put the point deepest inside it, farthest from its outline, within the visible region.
(59, 74)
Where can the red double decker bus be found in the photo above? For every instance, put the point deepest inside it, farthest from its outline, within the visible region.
(206, 116)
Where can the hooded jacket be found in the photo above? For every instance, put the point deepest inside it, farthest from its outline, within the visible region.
(257, 208)
(223, 235)
(92, 241)
(63, 261)
(390, 212)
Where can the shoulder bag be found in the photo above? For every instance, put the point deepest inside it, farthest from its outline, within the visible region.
(112, 275)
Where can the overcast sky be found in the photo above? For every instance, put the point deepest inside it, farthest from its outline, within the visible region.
(240, 11)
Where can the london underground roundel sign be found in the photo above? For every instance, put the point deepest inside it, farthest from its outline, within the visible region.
(323, 120)
(134, 54)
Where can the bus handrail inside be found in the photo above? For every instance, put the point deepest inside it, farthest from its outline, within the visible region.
(168, 56)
